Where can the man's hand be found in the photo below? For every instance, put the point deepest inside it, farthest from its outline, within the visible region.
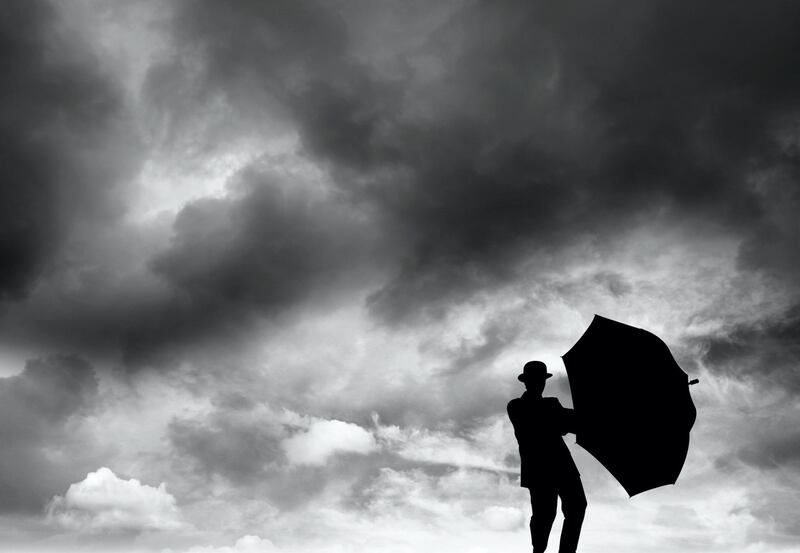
(568, 421)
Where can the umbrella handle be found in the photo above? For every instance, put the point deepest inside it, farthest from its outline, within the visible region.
(695, 381)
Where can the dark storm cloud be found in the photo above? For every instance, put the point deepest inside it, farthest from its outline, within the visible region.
(543, 123)
(63, 143)
(264, 246)
(270, 243)
(673, 104)
(766, 352)
(509, 130)
(37, 459)
(229, 263)
(254, 51)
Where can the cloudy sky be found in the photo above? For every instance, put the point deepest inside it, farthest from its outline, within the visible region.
(268, 270)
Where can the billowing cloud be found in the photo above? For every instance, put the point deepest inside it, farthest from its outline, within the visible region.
(461, 187)
(582, 136)
(104, 502)
(322, 439)
(270, 244)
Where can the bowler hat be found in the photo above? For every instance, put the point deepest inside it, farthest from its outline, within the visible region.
(534, 370)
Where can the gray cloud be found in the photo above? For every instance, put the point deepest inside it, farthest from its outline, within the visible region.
(40, 455)
(254, 449)
(64, 139)
(776, 509)
(267, 246)
(274, 241)
(240, 451)
(539, 126)
(263, 247)
(781, 450)
(496, 335)
(545, 123)
(766, 351)
(243, 445)
(496, 133)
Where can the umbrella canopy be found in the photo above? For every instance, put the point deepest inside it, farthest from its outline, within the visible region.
(632, 404)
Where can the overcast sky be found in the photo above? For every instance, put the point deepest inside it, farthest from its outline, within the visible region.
(268, 270)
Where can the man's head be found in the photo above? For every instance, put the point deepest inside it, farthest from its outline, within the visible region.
(534, 374)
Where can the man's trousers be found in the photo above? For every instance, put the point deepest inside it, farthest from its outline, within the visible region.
(544, 497)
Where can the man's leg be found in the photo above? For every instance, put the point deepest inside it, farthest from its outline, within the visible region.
(573, 505)
(543, 504)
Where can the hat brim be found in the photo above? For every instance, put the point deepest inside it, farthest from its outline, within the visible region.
(523, 378)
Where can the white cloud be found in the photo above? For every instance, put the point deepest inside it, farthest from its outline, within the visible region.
(104, 502)
(503, 518)
(245, 544)
(325, 438)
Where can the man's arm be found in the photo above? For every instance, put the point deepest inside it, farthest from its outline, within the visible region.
(515, 411)
(568, 422)
(512, 409)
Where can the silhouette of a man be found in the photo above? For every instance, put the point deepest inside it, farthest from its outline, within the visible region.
(548, 470)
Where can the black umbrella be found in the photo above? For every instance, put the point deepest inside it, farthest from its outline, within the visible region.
(632, 404)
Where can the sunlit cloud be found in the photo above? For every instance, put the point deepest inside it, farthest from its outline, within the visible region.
(104, 502)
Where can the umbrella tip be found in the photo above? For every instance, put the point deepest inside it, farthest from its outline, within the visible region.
(695, 381)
